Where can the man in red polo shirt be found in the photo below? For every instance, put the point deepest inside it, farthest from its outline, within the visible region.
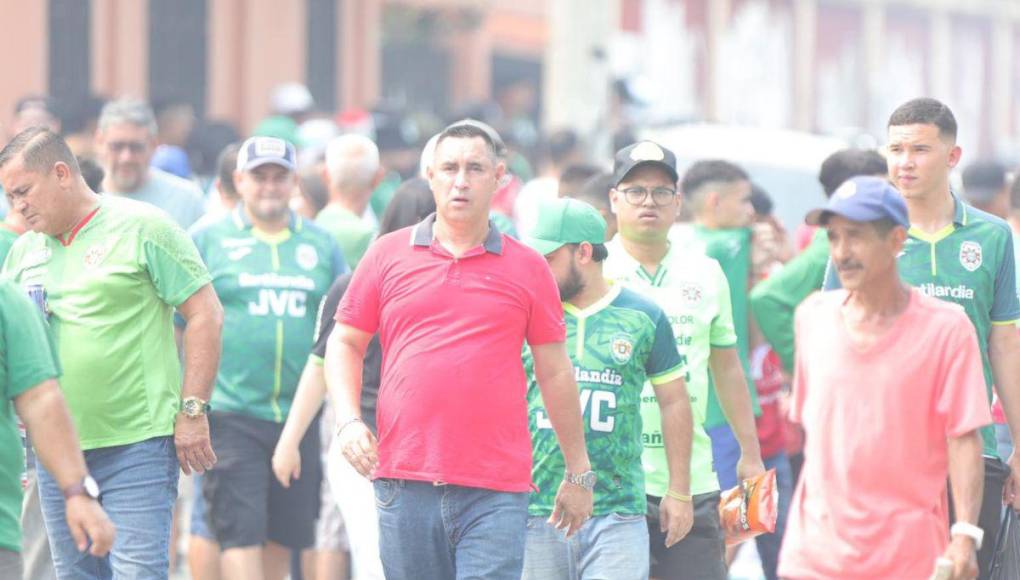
(453, 301)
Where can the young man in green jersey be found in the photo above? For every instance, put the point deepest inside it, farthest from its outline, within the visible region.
(271, 269)
(114, 270)
(692, 289)
(28, 373)
(617, 341)
(961, 254)
(719, 195)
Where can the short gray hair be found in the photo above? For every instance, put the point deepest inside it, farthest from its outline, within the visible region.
(128, 110)
(352, 161)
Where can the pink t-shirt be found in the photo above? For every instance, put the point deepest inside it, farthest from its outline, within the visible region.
(452, 397)
(871, 502)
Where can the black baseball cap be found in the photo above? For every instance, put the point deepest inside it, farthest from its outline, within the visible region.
(983, 180)
(643, 153)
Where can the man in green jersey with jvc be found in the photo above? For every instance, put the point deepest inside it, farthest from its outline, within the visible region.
(958, 253)
(113, 271)
(270, 269)
(691, 288)
(617, 340)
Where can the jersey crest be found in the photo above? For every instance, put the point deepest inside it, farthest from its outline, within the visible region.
(970, 255)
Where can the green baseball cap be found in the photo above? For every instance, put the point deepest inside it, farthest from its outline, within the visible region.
(565, 221)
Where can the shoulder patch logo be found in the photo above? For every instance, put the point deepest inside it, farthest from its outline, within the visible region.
(622, 348)
(691, 294)
(970, 255)
(306, 256)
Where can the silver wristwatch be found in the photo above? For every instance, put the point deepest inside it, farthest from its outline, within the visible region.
(585, 480)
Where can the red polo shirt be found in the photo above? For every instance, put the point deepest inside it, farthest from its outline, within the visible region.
(452, 403)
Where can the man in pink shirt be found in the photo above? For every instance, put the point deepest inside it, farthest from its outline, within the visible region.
(453, 301)
(886, 386)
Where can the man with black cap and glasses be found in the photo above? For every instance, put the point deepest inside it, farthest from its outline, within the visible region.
(691, 288)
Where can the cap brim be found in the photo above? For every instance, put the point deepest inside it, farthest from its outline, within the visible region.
(268, 161)
(661, 164)
(544, 247)
(817, 217)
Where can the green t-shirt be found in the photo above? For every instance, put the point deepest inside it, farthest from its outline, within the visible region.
(732, 249)
(7, 238)
(774, 300)
(350, 232)
(691, 288)
(112, 291)
(27, 358)
(270, 286)
(970, 262)
(616, 345)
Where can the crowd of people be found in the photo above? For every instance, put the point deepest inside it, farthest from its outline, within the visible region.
(427, 361)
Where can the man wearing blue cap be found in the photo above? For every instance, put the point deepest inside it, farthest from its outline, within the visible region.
(270, 269)
(617, 341)
(887, 387)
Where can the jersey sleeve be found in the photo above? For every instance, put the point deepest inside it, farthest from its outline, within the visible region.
(172, 261)
(831, 281)
(664, 363)
(1006, 303)
(361, 304)
(327, 309)
(723, 333)
(962, 400)
(545, 317)
(31, 356)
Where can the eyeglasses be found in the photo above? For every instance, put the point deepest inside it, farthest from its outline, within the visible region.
(135, 147)
(660, 195)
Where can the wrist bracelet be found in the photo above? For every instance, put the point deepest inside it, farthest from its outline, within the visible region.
(346, 424)
(679, 496)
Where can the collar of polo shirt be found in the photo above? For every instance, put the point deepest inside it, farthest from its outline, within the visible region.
(423, 234)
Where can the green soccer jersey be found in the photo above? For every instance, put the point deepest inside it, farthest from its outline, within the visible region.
(616, 345)
(732, 249)
(7, 239)
(969, 262)
(692, 290)
(28, 357)
(112, 289)
(351, 232)
(270, 287)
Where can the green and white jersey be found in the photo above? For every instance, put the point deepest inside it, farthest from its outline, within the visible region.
(970, 262)
(28, 358)
(270, 286)
(691, 288)
(112, 288)
(731, 248)
(616, 345)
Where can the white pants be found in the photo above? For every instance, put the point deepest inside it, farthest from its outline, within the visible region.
(356, 498)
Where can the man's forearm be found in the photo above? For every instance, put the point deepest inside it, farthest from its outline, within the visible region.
(677, 430)
(343, 367)
(48, 421)
(734, 399)
(1004, 353)
(559, 393)
(307, 401)
(966, 476)
(201, 355)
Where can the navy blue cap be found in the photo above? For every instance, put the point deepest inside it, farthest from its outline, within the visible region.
(863, 199)
(257, 151)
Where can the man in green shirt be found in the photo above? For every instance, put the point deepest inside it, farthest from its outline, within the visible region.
(113, 270)
(28, 379)
(774, 300)
(719, 195)
(352, 174)
(271, 269)
(692, 289)
(617, 341)
(961, 254)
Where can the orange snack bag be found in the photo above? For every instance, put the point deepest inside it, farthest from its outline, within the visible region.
(750, 508)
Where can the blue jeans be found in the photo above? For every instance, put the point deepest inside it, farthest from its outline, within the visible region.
(138, 483)
(725, 455)
(769, 544)
(611, 546)
(443, 532)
